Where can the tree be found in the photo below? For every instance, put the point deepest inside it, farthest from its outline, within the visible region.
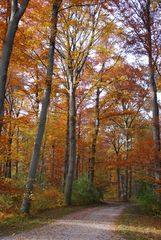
(43, 114)
(16, 11)
(75, 40)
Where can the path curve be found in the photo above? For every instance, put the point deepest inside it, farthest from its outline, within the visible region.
(90, 224)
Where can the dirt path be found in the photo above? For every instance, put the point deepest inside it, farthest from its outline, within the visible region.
(90, 224)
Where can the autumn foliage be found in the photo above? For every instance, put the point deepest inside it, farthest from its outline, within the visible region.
(101, 123)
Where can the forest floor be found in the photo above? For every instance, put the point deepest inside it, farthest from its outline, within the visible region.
(136, 224)
(93, 223)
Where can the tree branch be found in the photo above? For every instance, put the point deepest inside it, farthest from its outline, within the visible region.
(22, 8)
(82, 5)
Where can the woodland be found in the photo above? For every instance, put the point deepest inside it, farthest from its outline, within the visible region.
(80, 84)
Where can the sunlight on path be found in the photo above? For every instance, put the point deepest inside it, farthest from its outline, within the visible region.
(144, 230)
(90, 224)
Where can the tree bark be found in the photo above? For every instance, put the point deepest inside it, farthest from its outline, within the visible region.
(155, 108)
(26, 204)
(15, 17)
(118, 183)
(127, 168)
(72, 148)
(66, 160)
(42, 163)
(94, 141)
(17, 152)
(52, 170)
(8, 169)
(77, 171)
(130, 182)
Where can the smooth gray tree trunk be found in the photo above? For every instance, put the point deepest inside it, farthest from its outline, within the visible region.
(118, 183)
(15, 16)
(77, 170)
(130, 182)
(72, 148)
(66, 159)
(155, 107)
(94, 141)
(26, 203)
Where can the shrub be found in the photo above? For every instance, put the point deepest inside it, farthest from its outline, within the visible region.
(83, 193)
(9, 202)
(47, 198)
(10, 195)
(148, 199)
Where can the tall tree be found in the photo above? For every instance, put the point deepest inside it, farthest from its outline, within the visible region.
(16, 11)
(75, 40)
(43, 114)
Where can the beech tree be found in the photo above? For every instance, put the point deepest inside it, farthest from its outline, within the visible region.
(16, 11)
(43, 114)
(75, 40)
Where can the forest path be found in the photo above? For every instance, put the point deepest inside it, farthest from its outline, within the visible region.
(97, 223)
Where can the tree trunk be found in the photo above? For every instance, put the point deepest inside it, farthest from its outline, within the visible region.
(156, 125)
(16, 15)
(127, 168)
(52, 164)
(155, 108)
(126, 184)
(43, 114)
(17, 168)
(118, 183)
(72, 149)
(8, 169)
(42, 163)
(130, 182)
(94, 142)
(17, 152)
(123, 187)
(77, 172)
(66, 160)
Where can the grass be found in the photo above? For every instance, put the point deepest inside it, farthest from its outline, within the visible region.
(13, 224)
(134, 224)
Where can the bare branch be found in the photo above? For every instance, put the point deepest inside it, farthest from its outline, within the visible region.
(22, 8)
(83, 5)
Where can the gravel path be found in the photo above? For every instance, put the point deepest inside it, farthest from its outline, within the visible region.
(90, 224)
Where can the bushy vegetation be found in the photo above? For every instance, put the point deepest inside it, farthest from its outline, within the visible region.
(47, 198)
(84, 193)
(9, 202)
(43, 198)
(148, 198)
(47, 205)
(10, 195)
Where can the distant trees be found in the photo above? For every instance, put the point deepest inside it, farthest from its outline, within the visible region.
(142, 21)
